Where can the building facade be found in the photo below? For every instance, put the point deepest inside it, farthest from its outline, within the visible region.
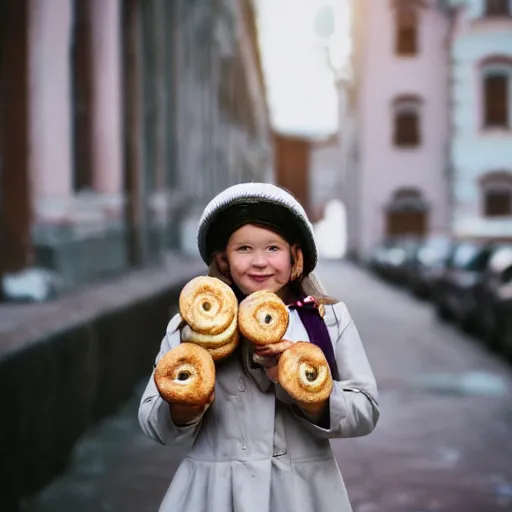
(119, 120)
(481, 117)
(395, 123)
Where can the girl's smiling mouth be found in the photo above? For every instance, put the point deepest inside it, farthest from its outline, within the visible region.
(259, 278)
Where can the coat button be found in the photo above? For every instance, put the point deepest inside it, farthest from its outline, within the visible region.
(241, 384)
(244, 446)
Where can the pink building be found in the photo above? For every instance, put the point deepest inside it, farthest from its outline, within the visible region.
(395, 122)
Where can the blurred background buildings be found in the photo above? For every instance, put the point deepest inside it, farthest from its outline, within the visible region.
(120, 119)
(426, 128)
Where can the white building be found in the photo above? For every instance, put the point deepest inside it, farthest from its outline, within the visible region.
(481, 112)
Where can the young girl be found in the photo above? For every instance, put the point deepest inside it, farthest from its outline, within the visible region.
(252, 449)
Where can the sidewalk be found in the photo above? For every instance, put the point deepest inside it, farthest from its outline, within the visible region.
(22, 324)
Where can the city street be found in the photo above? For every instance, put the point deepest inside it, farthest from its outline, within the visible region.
(443, 443)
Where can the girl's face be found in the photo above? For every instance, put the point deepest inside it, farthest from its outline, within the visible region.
(258, 259)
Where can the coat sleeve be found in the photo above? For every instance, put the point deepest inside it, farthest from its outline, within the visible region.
(353, 408)
(154, 415)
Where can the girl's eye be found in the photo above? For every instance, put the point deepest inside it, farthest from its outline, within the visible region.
(273, 248)
(243, 248)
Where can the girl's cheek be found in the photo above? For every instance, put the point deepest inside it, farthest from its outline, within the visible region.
(283, 263)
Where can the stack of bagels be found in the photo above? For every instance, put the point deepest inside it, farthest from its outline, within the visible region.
(212, 323)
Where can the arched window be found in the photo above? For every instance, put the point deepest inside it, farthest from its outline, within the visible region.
(408, 198)
(497, 7)
(496, 193)
(407, 213)
(496, 73)
(406, 121)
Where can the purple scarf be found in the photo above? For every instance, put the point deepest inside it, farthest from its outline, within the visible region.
(316, 329)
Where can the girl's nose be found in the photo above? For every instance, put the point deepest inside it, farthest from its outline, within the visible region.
(259, 260)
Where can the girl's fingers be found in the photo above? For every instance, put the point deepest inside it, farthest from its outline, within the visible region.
(272, 373)
(274, 349)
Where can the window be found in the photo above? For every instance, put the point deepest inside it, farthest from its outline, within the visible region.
(496, 73)
(471, 257)
(498, 203)
(496, 99)
(406, 130)
(406, 36)
(497, 8)
(496, 189)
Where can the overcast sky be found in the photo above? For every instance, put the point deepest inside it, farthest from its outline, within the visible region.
(301, 92)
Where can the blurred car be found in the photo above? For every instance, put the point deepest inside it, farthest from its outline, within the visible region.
(428, 264)
(378, 260)
(455, 294)
(391, 259)
(505, 312)
(491, 294)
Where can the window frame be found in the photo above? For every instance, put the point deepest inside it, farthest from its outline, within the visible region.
(495, 66)
(407, 104)
(491, 182)
(400, 26)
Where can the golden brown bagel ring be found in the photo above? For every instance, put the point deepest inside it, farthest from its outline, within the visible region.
(263, 318)
(304, 373)
(209, 341)
(208, 305)
(225, 350)
(186, 375)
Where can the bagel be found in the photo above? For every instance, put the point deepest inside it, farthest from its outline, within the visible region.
(225, 350)
(186, 375)
(208, 305)
(263, 318)
(209, 341)
(304, 373)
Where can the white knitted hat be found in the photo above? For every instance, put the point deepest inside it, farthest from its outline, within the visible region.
(260, 193)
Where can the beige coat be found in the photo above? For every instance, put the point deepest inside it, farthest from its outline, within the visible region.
(253, 452)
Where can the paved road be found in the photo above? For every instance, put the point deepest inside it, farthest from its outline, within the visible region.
(443, 444)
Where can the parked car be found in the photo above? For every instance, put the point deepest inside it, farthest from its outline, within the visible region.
(391, 259)
(428, 264)
(378, 261)
(490, 294)
(455, 293)
(505, 311)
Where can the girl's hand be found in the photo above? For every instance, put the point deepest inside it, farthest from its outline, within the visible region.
(313, 409)
(314, 412)
(272, 352)
(183, 414)
(275, 349)
(272, 374)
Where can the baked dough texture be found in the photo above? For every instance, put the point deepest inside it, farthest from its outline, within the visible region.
(263, 318)
(186, 375)
(208, 305)
(304, 373)
(210, 309)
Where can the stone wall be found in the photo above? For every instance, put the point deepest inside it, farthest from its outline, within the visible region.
(77, 363)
